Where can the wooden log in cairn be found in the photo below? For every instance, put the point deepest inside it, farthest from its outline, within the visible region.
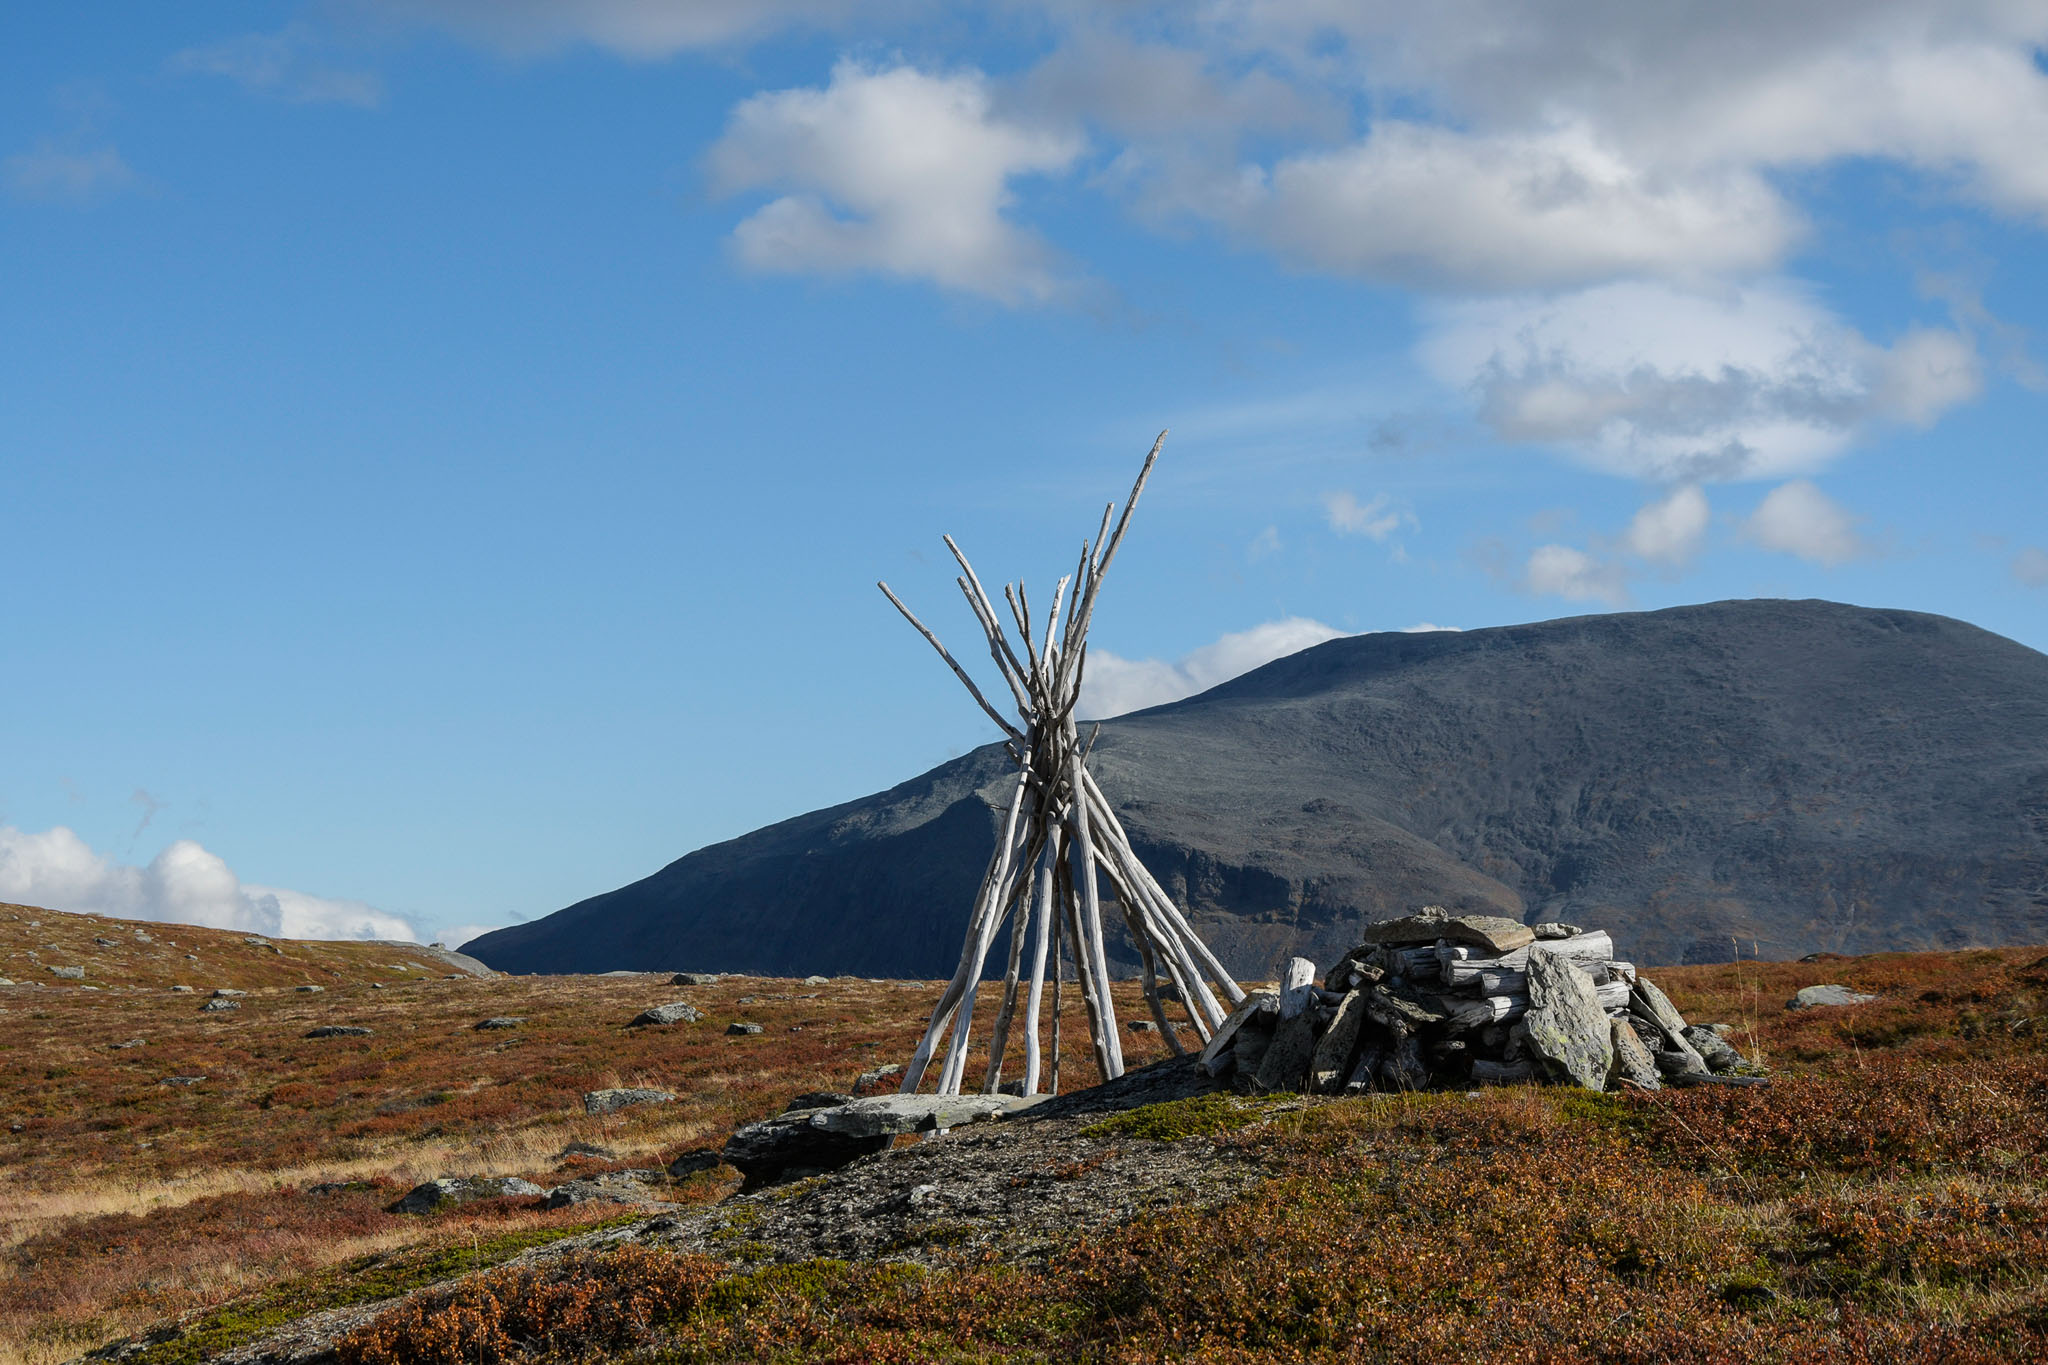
(1060, 842)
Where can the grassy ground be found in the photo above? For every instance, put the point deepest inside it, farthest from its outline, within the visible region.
(1887, 1199)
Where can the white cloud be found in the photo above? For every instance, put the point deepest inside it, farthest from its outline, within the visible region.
(1376, 518)
(1669, 530)
(184, 884)
(1562, 571)
(281, 64)
(1114, 686)
(1798, 519)
(2030, 566)
(1427, 628)
(455, 935)
(57, 172)
(895, 171)
(1265, 544)
(1658, 382)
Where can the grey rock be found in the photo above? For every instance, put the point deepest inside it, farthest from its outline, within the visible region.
(817, 981)
(181, 990)
(449, 1191)
(880, 1115)
(1142, 1026)
(1254, 1004)
(818, 1099)
(1297, 987)
(132, 1042)
(1285, 1065)
(695, 979)
(1249, 1051)
(1493, 932)
(1555, 930)
(67, 973)
(499, 1021)
(1488, 1072)
(1633, 1061)
(689, 1163)
(1715, 1050)
(1815, 997)
(623, 1097)
(589, 1149)
(338, 1031)
(216, 1006)
(789, 1145)
(611, 1187)
(677, 1013)
(181, 1080)
(228, 993)
(741, 1030)
(309, 990)
(104, 942)
(869, 1080)
(1650, 1003)
(1568, 1031)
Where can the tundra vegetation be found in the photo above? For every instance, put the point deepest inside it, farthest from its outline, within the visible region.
(1885, 1199)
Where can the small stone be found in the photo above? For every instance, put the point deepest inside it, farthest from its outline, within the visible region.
(870, 1080)
(104, 942)
(817, 1099)
(676, 1013)
(181, 1080)
(1554, 930)
(694, 979)
(612, 1187)
(599, 1102)
(216, 1006)
(1814, 997)
(1328, 1069)
(225, 993)
(744, 1000)
(68, 973)
(1714, 1050)
(132, 1042)
(817, 981)
(309, 990)
(181, 990)
(449, 1191)
(741, 1030)
(499, 1021)
(338, 1031)
(1142, 1026)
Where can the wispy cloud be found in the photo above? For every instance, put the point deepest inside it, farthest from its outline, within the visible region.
(1115, 686)
(283, 65)
(60, 171)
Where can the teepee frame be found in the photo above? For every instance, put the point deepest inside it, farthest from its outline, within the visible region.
(1059, 839)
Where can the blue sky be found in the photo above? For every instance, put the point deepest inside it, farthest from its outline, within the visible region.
(450, 446)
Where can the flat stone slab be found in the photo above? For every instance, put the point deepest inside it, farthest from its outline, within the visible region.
(1568, 1030)
(449, 1191)
(499, 1021)
(880, 1115)
(1816, 997)
(628, 1097)
(678, 1012)
(1432, 922)
(1255, 1003)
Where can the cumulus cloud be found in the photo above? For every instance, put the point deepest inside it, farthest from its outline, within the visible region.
(283, 65)
(2030, 566)
(1376, 518)
(1115, 686)
(1798, 519)
(1685, 384)
(1669, 531)
(184, 884)
(1573, 574)
(59, 172)
(896, 171)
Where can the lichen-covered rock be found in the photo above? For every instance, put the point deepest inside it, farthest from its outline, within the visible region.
(678, 1012)
(625, 1097)
(1814, 997)
(1432, 922)
(498, 1021)
(610, 1187)
(1567, 1030)
(1285, 1065)
(741, 1030)
(449, 1191)
(216, 1006)
(338, 1031)
(695, 979)
(1632, 1059)
(1715, 1050)
(1647, 1002)
(1330, 1066)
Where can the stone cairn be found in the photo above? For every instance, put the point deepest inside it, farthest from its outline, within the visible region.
(1443, 999)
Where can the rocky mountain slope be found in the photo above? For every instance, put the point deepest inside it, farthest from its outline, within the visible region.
(1765, 778)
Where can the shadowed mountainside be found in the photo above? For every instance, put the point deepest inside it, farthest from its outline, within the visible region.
(1756, 777)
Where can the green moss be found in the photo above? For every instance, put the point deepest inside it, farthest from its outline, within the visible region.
(1611, 1112)
(1197, 1116)
(811, 1280)
(367, 1279)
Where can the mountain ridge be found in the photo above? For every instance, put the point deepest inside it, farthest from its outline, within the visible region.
(1761, 777)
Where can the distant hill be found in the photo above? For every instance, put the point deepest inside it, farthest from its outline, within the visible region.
(1753, 777)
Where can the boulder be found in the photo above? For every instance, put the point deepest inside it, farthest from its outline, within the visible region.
(1329, 1067)
(215, 1006)
(338, 1031)
(1714, 1050)
(1554, 930)
(695, 979)
(309, 990)
(626, 1097)
(1285, 1065)
(880, 1115)
(181, 990)
(228, 993)
(1568, 1031)
(1254, 1003)
(610, 1187)
(741, 1030)
(1815, 997)
(1432, 922)
(817, 981)
(68, 973)
(498, 1021)
(679, 1012)
(1633, 1061)
(451, 1190)
(788, 1146)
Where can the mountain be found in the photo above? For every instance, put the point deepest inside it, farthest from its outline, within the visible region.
(1763, 778)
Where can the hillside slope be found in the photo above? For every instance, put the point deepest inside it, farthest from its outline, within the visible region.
(1762, 777)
